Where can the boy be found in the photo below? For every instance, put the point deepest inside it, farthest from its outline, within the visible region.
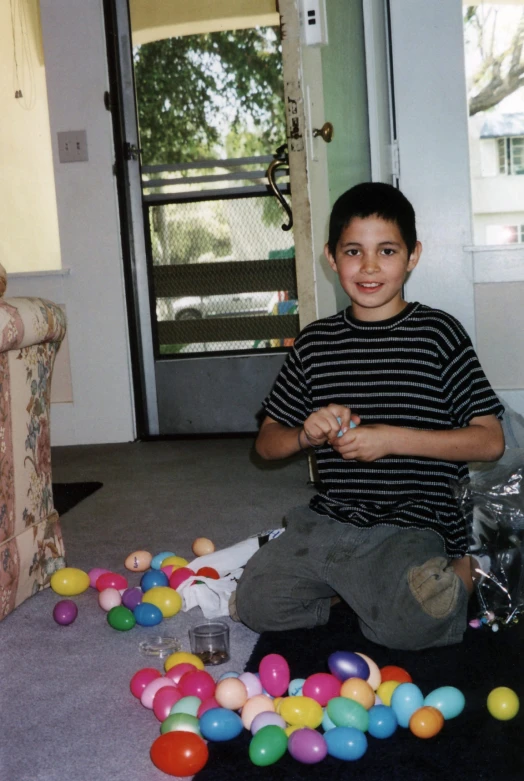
(385, 532)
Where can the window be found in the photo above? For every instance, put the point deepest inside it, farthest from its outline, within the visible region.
(511, 155)
(505, 234)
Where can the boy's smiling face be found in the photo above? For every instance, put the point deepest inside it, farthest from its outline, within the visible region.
(372, 264)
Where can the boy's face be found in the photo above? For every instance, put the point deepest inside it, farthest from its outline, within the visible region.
(372, 263)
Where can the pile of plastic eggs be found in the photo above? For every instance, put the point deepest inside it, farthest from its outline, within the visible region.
(328, 713)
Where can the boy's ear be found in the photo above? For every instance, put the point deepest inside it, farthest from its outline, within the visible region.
(330, 259)
(415, 256)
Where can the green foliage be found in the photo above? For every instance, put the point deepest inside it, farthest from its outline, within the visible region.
(201, 95)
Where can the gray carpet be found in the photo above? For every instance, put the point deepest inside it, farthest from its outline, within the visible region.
(66, 710)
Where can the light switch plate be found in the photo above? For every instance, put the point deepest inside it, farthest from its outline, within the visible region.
(72, 146)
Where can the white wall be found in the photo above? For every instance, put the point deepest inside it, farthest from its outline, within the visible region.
(92, 291)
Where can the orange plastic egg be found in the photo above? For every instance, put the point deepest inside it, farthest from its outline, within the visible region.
(138, 561)
(255, 705)
(359, 690)
(231, 693)
(202, 546)
(426, 722)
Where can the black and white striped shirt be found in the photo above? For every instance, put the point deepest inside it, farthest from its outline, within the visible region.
(416, 370)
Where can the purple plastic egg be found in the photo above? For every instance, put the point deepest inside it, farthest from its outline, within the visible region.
(265, 718)
(65, 612)
(132, 597)
(307, 746)
(345, 664)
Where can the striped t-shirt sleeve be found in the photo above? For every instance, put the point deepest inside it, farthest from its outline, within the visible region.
(289, 401)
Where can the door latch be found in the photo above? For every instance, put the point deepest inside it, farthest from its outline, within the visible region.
(281, 160)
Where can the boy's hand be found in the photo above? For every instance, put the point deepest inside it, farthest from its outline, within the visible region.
(365, 443)
(326, 424)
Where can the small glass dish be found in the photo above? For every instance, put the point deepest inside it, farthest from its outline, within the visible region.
(159, 646)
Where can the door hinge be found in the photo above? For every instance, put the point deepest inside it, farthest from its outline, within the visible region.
(395, 159)
(108, 103)
(131, 151)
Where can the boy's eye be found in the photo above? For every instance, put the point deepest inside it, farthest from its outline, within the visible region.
(352, 252)
(388, 251)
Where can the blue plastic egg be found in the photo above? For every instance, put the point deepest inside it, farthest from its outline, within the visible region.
(345, 664)
(382, 721)
(228, 675)
(295, 687)
(147, 614)
(347, 743)
(220, 724)
(405, 700)
(327, 723)
(448, 700)
(153, 578)
(156, 561)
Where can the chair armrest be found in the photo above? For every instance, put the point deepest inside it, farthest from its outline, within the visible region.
(28, 321)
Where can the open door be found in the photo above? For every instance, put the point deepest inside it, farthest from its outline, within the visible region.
(333, 55)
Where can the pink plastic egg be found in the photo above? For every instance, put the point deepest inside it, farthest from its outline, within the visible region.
(274, 674)
(111, 580)
(109, 598)
(231, 693)
(164, 700)
(94, 574)
(176, 672)
(149, 693)
(197, 683)
(321, 687)
(179, 576)
(141, 678)
(260, 703)
(206, 705)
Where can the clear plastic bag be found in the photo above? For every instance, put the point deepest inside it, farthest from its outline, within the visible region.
(493, 501)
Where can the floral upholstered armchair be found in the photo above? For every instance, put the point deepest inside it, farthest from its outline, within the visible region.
(31, 548)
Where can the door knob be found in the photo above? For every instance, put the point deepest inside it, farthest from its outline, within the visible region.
(326, 132)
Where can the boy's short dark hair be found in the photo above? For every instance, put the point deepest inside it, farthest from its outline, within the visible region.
(371, 199)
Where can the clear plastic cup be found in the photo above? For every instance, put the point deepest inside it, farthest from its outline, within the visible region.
(210, 642)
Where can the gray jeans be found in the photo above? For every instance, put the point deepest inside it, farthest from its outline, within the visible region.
(398, 581)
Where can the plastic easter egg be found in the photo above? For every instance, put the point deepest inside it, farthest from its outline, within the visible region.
(108, 598)
(295, 687)
(164, 700)
(375, 677)
(307, 746)
(208, 572)
(503, 703)
(168, 571)
(147, 614)
(348, 713)
(141, 678)
(260, 703)
(152, 578)
(448, 700)
(183, 657)
(121, 618)
(327, 723)
(188, 704)
(264, 719)
(426, 722)
(175, 561)
(274, 674)
(180, 722)
(346, 743)
(303, 711)
(321, 687)
(153, 687)
(346, 664)
(69, 581)
(111, 580)
(202, 546)
(231, 693)
(167, 599)
(132, 597)
(138, 561)
(179, 576)
(178, 670)
(179, 753)
(197, 683)
(268, 746)
(229, 675)
(406, 699)
(94, 574)
(252, 684)
(206, 705)
(385, 691)
(65, 612)
(359, 690)
(220, 724)
(382, 721)
(156, 561)
(393, 673)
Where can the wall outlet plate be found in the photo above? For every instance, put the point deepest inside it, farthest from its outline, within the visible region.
(72, 146)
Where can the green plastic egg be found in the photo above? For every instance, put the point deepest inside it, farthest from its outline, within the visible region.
(121, 618)
(268, 745)
(344, 712)
(180, 722)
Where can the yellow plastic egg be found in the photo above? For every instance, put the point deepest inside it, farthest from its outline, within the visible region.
(301, 710)
(292, 728)
(69, 581)
(259, 703)
(166, 599)
(138, 561)
(183, 657)
(202, 546)
(175, 561)
(385, 691)
(375, 677)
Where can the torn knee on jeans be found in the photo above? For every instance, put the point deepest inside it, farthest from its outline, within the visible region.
(435, 586)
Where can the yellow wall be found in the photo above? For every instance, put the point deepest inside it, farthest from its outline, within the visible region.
(29, 238)
(152, 20)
